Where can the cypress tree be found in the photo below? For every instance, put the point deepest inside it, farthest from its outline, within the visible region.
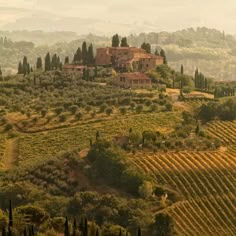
(9, 231)
(197, 129)
(4, 233)
(67, 60)
(20, 68)
(85, 232)
(39, 63)
(67, 231)
(10, 215)
(32, 230)
(90, 55)
(97, 232)
(146, 47)
(0, 71)
(97, 135)
(182, 70)
(157, 53)
(124, 42)
(25, 65)
(74, 227)
(78, 56)
(25, 232)
(84, 53)
(139, 232)
(196, 76)
(47, 63)
(115, 40)
(163, 54)
(28, 68)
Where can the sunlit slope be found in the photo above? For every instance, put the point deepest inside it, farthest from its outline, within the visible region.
(205, 181)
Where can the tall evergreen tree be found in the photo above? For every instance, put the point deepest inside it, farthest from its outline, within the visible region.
(39, 63)
(157, 52)
(163, 54)
(25, 65)
(4, 233)
(67, 60)
(74, 227)
(9, 231)
(163, 225)
(115, 41)
(139, 232)
(78, 56)
(25, 232)
(20, 68)
(97, 232)
(182, 70)
(84, 53)
(66, 230)
(47, 63)
(85, 232)
(124, 42)
(90, 55)
(146, 47)
(10, 216)
(55, 62)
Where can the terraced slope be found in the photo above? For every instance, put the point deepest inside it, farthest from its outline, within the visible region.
(206, 181)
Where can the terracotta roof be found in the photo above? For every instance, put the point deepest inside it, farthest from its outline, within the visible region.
(71, 66)
(147, 56)
(134, 76)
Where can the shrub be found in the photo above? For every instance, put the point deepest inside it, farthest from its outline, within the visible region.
(139, 108)
(62, 118)
(8, 127)
(58, 110)
(73, 109)
(109, 111)
(78, 115)
(169, 107)
(103, 107)
(43, 112)
(123, 110)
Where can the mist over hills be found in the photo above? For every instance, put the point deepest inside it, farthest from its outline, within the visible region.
(210, 50)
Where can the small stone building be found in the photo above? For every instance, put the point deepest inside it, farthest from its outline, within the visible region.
(71, 68)
(132, 80)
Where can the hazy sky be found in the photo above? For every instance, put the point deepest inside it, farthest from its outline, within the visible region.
(142, 15)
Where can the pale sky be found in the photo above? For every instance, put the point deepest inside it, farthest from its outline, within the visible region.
(126, 15)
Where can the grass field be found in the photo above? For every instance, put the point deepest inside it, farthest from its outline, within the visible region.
(206, 182)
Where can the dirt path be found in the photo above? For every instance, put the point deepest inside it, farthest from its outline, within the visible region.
(10, 153)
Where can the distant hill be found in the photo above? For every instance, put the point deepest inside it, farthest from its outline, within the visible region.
(210, 50)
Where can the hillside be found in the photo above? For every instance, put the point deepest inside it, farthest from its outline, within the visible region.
(64, 149)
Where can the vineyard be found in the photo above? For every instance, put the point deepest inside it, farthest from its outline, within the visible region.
(205, 181)
(44, 145)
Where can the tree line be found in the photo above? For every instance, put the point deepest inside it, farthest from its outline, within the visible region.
(163, 226)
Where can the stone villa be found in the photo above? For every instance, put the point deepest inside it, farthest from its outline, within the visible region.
(127, 58)
(132, 80)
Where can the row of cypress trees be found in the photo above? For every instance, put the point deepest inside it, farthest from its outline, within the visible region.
(80, 229)
(85, 55)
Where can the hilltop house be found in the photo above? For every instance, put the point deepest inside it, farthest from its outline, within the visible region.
(73, 68)
(132, 80)
(127, 58)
